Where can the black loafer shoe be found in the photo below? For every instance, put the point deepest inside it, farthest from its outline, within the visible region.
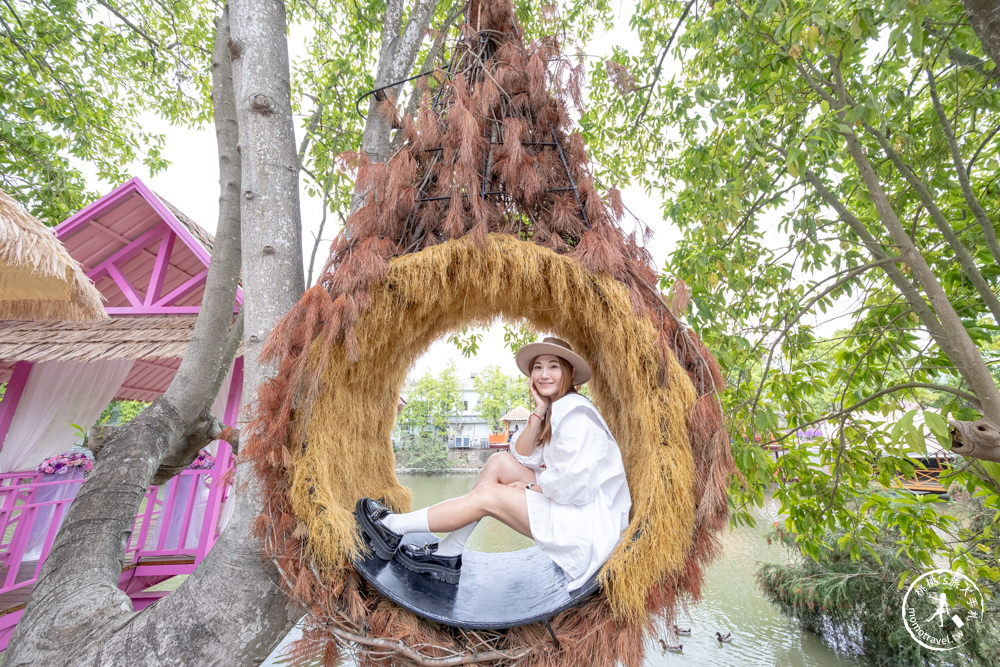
(369, 514)
(423, 560)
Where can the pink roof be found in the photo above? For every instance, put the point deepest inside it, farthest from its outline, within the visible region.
(146, 259)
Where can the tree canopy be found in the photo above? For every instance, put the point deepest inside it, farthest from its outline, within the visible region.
(499, 393)
(832, 166)
(77, 80)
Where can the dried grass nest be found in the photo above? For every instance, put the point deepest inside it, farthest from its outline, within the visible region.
(321, 439)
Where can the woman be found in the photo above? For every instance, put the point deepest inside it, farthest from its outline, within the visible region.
(562, 483)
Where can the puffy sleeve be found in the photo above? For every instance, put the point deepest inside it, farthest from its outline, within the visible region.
(533, 460)
(576, 461)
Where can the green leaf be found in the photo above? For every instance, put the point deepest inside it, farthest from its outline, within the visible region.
(938, 426)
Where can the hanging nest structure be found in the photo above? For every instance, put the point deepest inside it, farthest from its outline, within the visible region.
(486, 210)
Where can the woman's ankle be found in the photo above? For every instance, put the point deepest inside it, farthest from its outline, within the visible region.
(410, 522)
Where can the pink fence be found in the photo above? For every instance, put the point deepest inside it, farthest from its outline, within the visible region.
(177, 525)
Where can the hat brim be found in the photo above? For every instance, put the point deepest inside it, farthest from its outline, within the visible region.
(527, 354)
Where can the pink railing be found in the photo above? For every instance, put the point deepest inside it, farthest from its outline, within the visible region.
(175, 528)
(177, 519)
(32, 507)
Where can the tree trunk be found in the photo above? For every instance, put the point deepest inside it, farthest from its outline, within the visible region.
(232, 609)
(396, 58)
(984, 17)
(77, 595)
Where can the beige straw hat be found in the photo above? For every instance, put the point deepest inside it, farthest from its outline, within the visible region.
(559, 348)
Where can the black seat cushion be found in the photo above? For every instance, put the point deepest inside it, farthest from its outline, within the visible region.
(495, 591)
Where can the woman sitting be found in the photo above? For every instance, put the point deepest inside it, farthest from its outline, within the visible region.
(562, 483)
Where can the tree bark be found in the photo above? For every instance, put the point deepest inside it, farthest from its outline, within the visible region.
(977, 440)
(76, 614)
(984, 17)
(231, 610)
(396, 58)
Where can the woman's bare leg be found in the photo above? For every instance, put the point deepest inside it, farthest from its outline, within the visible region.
(504, 503)
(503, 468)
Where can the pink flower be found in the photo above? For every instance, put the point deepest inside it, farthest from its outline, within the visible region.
(49, 469)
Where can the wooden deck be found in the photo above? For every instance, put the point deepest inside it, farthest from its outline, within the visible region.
(15, 599)
(143, 574)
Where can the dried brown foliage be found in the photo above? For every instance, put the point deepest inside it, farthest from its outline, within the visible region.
(493, 172)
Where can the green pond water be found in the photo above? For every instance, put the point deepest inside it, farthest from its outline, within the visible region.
(731, 601)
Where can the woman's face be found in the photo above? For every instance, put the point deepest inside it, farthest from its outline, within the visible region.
(547, 375)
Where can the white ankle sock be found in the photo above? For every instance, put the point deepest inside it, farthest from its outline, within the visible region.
(411, 522)
(454, 542)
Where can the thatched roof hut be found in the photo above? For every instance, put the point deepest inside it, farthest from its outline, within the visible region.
(38, 278)
(518, 414)
(149, 264)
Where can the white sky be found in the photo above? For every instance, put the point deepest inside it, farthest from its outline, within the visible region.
(191, 184)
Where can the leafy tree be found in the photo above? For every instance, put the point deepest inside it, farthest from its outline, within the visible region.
(427, 451)
(425, 424)
(82, 51)
(831, 165)
(499, 393)
(76, 79)
(431, 403)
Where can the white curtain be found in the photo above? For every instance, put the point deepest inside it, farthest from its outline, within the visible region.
(58, 394)
(219, 406)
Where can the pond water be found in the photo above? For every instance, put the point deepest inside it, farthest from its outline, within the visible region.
(731, 601)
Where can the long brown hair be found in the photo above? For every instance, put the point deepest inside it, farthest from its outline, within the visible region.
(565, 387)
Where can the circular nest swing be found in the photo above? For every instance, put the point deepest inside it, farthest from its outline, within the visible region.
(424, 256)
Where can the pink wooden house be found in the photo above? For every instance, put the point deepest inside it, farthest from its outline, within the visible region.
(149, 262)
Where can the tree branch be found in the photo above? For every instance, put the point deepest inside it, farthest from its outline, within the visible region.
(319, 233)
(963, 175)
(659, 65)
(882, 392)
(975, 440)
(967, 357)
(962, 254)
(425, 661)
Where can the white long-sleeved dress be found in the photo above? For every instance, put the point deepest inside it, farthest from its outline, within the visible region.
(579, 517)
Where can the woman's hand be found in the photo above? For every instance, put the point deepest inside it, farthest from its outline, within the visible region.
(524, 485)
(541, 402)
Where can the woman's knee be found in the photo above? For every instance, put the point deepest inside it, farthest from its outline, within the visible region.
(500, 460)
(495, 464)
(505, 503)
(510, 469)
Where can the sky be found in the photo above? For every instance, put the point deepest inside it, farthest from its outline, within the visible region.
(191, 184)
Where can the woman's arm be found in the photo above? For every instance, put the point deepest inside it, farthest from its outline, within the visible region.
(578, 460)
(525, 443)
